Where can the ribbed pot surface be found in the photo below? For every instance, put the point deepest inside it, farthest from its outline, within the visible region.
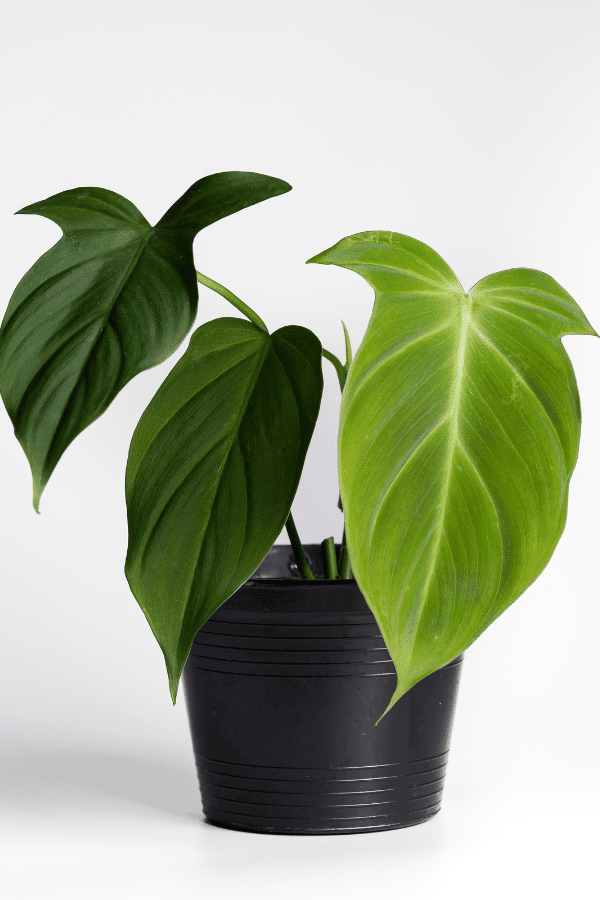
(283, 686)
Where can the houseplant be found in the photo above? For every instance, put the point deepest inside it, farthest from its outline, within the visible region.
(459, 433)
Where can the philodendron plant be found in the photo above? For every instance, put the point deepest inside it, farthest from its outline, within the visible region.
(459, 427)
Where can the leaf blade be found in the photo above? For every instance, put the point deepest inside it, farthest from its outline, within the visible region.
(459, 433)
(112, 298)
(213, 467)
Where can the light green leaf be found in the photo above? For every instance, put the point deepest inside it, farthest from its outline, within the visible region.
(213, 468)
(459, 433)
(113, 297)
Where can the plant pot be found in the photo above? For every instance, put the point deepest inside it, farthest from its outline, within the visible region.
(283, 686)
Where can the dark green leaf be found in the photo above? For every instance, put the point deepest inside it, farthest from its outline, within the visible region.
(113, 297)
(213, 468)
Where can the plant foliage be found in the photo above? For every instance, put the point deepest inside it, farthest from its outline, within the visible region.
(459, 433)
(213, 468)
(113, 297)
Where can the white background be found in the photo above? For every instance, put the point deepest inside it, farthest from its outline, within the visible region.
(470, 125)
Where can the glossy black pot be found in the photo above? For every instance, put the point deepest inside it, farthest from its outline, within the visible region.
(283, 686)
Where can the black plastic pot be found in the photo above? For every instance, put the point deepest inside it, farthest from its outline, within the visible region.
(283, 686)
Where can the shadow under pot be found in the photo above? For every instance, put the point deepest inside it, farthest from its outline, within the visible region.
(283, 686)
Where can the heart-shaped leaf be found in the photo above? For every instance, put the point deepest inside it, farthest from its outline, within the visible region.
(213, 468)
(113, 297)
(459, 433)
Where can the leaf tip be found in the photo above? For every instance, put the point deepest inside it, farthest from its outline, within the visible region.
(317, 259)
(30, 209)
(401, 689)
(173, 686)
(284, 186)
(37, 494)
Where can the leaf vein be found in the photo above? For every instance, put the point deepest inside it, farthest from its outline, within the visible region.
(414, 451)
(521, 379)
(381, 362)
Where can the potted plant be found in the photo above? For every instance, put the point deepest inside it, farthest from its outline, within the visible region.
(459, 432)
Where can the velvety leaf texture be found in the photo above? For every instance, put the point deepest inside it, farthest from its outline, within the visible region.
(113, 297)
(459, 433)
(213, 468)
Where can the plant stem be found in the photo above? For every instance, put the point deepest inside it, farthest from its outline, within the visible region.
(339, 367)
(298, 549)
(235, 301)
(345, 567)
(328, 547)
(348, 347)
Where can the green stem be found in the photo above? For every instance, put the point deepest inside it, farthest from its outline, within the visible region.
(235, 301)
(345, 567)
(342, 373)
(339, 367)
(348, 347)
(298, 549)
(328, 547)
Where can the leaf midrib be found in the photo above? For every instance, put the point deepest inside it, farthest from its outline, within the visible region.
(466, 322)
(131, 480)
(234, 435)
(59, 349)
(442, 285)
(101, 328)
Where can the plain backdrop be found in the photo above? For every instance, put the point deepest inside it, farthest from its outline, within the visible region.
(470, 125)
